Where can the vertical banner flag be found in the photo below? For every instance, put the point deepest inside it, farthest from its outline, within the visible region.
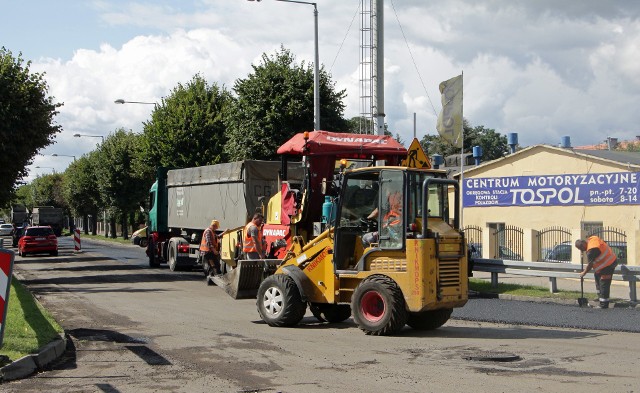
(450, 119)
(6, 267)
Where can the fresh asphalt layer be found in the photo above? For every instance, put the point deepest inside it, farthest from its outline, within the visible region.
(550, 314)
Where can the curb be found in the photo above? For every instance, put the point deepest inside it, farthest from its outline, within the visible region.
(29, 364)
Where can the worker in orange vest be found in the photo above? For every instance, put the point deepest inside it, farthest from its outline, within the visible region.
(603, 261)
(391, 219)
(210, 250)
(253, 244)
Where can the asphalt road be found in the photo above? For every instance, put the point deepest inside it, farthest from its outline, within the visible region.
(135, 329)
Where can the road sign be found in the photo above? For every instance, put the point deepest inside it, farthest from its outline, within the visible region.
(6, 268)
(416, 158)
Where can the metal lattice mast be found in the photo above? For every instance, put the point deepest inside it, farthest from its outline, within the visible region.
(366, 68)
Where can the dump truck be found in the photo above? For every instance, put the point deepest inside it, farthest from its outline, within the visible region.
(182, 203)
(415, 270)
(19, 215)
(48, 215)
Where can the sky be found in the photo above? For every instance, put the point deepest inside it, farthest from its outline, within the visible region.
(543, 69)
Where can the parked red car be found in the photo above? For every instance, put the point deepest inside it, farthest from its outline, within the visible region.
(38, 240)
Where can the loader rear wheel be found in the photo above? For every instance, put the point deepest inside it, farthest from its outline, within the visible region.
(332, 313)
(279, 302)
(378, 306)
(429, 320)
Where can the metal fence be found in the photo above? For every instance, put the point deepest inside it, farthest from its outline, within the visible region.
(554, 244)
(616, 239)
(473, 234)
(509, 243)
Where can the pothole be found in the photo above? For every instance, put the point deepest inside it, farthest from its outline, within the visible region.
(500, 357)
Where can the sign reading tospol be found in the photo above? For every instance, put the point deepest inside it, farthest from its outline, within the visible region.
(617, 188)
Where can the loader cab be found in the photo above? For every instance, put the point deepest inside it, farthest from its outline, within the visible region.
(401, 200)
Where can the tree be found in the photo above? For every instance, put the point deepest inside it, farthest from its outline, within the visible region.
(274, 103)
(492, 143)
(80, 188)
(121, 187)
(26, 119)
(187, 129)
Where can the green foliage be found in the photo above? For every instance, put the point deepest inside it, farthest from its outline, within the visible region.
(29, 327)
(26, 119)
(493, 144)
(274, 103)
(187, 129)
(121, 187)
(44, 190)
(80, 185)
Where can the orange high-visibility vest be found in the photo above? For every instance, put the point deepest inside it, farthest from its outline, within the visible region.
(248, 244)
(606, 257)
(394, 215)
(203, 243)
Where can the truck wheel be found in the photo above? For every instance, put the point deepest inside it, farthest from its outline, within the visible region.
(173, 256)
(429, 320)
(332, 313)
(279, 303)
(378, 306)
(151, 253)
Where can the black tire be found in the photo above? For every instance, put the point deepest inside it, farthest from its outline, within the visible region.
(279, 302)
(151, 252)
(54, 253)
(332, 313)
(429, 320)
(173, 256)
(378, 306)
(143, 242)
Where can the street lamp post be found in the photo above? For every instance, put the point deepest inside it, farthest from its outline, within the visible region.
(90, 136)
(46, 167)
(63, 155)
(121, 101)
(316, 68)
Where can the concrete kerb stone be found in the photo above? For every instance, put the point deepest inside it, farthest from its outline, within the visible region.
(29, 364)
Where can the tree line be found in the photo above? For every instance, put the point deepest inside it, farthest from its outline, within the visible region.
(198, 123)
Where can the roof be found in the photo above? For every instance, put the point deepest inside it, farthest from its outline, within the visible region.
(629, 159)
(623, 157)
(344, 145)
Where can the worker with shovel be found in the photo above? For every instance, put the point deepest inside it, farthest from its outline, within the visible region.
(603, 261)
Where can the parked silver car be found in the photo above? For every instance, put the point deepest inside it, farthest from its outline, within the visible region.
(6, 229)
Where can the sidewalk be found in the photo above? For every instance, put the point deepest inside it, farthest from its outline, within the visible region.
(619, 289)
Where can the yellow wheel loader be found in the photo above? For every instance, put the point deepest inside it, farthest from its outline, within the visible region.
(408, 265)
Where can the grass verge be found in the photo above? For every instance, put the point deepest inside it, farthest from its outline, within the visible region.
(28, 325)
(108, 239)
(484, 286)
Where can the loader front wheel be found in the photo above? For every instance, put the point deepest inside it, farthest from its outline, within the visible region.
(429, 320)
(279, 302)
(332, 313)
(378, 306)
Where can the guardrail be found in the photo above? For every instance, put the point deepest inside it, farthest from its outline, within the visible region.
(631, 274)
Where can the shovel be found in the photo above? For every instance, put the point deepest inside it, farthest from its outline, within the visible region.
(582, 301)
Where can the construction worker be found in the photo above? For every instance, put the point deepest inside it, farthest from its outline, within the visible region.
(253, 244)
(391, 219)
(603, 261)
(210, 250)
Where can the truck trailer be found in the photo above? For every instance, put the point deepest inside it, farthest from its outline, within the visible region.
(48, 215)
(182, 203)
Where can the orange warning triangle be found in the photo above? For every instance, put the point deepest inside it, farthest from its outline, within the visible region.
(416, 158)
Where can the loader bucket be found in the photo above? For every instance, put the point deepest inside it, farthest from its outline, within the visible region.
(243, 281)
